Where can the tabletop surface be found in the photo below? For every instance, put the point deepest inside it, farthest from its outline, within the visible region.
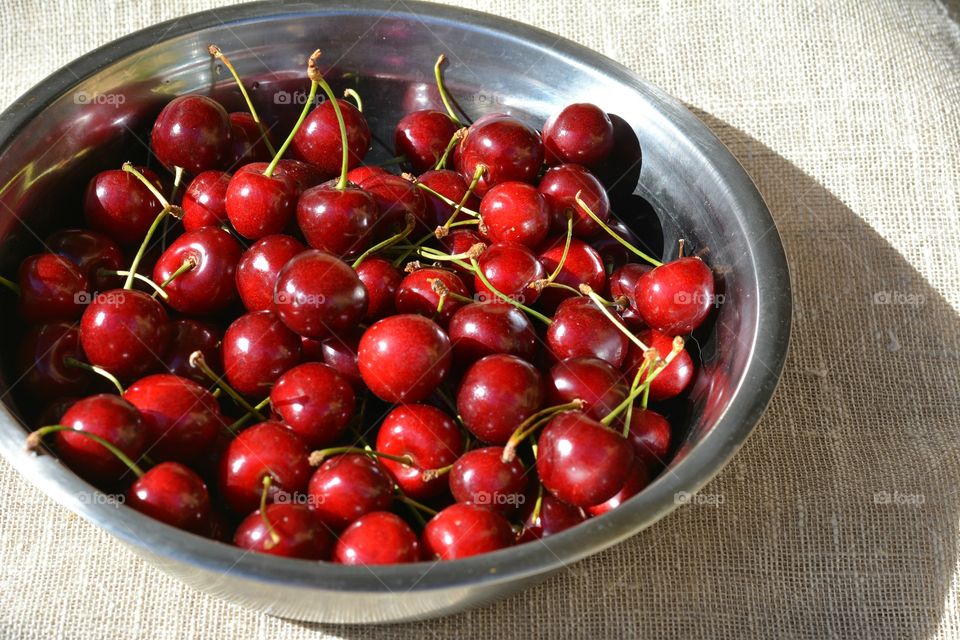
(840, 516)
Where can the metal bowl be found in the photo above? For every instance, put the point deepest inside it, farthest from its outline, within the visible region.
(94, 112)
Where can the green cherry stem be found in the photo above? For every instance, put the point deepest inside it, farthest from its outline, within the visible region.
(350, 93)
(274, 537)
(197, 360)
(157, 289)
(35, 439)
(454, 139)
(540, 284)
(519, 305)
(470, 254)
(438, 75)
(242, 420)
(534, 422)
(312, 73)
(219, 55)
(443, 198)
(317, 78)
(613, 234)
(189, 263)
(380, 246)
(586, 290)
(317, 457)
(644, 388)
(100, 371)
(477, 174)
(10, 284)
(168, 209)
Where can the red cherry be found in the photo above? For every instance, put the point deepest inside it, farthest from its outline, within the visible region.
(510, 150)
(259, 205)
(304, 175)
(359, 174)
(119, 205)
(113, 419)
(479, 330)
(594, 381)
(650, 435)
(51, 288)
(338, 221)
(318, 140)
(91, 252)
(42, 355)
(125, 332)
(404, 358)
(671, 381)
(498, 393)
(613, 254)
(376, 538)
(396, 198)
(581, 461)
(580, 328)
(422, 137)
(452, 186)
(429, 437)
(416, 294)
(460, 241)
(511, 269)
(265, 449)
(555, 516)
(257, 349)
(340, 352)
(210, 285)
(192, 132)
(638, 477)
(580, 133)
(462, 530)
(186, 337)
(483, 478)
(247, 140)
(582, 266)
(315, 401)
(346, 487)
(172, 493)
(205, 200)
(299, 533)
(622, 283)
(560, 186)
(259, 267)
(515, 213)
(620, 170)
(676, 297)
(381, 280)
(318, 295)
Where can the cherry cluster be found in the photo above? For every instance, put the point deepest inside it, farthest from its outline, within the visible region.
(428, 365)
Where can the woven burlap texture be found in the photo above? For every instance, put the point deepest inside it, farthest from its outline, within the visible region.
(840, 516)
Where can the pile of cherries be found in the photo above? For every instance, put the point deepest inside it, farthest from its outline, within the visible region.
(422, 366)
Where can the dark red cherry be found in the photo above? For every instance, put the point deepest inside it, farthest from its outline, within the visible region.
(650, 435)
(51, 288)
(315, 401)
(113, 419)
(182, 419)
(210, 285)
(620, 170)
(376, 538)
(346, 487)
(580, 328)
(259, 267)
(594, 381)
(515, 213)
(186, 336)
(268, 448)
(452, 186)
(318, 140)
(612, 253)
(582, 266)
(479, 330)
(676, 297)
(560, 186)
(463, 529)
(91, 252)
(173, 494)
(205, 200)
(483, 478)
(303, 175)
(511, 269)
(338, 221)
(673, 380)
(422, 137)
(125, 332)
(381, 280)
(396, 198)
(429, 437)
(638, 477)
(340, 352)
(318, 294)
(42, 358)
(359, 175)
(555, 516)
(259, 205)
(498, 393)
(622, 284)
(581, 461)
(460, 241)
(403, 358)
(416, 294)
(580, 133)
(247, 140)
(192, 132)
(118, 204)
(510, 150)
(257, 349)
(299, 533)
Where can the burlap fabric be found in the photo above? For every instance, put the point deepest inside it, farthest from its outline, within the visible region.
(840, 516)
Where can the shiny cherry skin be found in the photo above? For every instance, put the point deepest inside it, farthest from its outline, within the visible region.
(182, 419)
(41, 357)
(125, 332)
(498, 393)
(381, 280)
(580, 329)
(515, 213)
(247, 141)
(259, 267)
(560, 186)
(318, 140)
(594, 381)
(303, 175)
(91, 252)
(396, 198)
(300, 533)
(580, 133)
(205, 200)
(555, 516)
(267, 448)
(638, 477)
(463, 530)
(623, 282)
(673, 380)
(403, 358)
(479, 330)
(259, 205)
(429, 437)
(379, 537)
(358, 175)
(612, 253)
(315, 401)
(483, 478)
(461, 240)
(171, 493)
(257, 349)
(416, 294)
(208, 287)
(422, 137)
(581, 461)
(118, 204)
(113, 419)
(51, 288)
(187, 336)
(317, 295)
(650, 435)
(452, 186)
(338, 221)
(340, 353)
(346, 487)
(511, 269)
(192, 132)
(582, 266)
(676, 297)
(511, 151)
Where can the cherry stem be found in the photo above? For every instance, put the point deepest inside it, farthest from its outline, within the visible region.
(129, 168)
(602, 304)
(79, 364)
(454, 139)
(534, 422)
(430, 236)
(442, 290)
(317, 457)
(189, 263)
(219, 55)
(433, 474)
(633, 387)
(350, 93)
(157, 289)
(10, 284)
(311, 73)
(177, 179)
(274, 536)
(35, 439)
(392, 161)
(535, 514)
(197, 360)
(477, 174)
(644, 388)
(472, 253)
(418, 506)
(317, 79)
(540, 284)
(519, 305)
(380, 246)
(242, 420)
(613, 234)
(168, 209)
(680, 249)
(438, 74)
(443, 198)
